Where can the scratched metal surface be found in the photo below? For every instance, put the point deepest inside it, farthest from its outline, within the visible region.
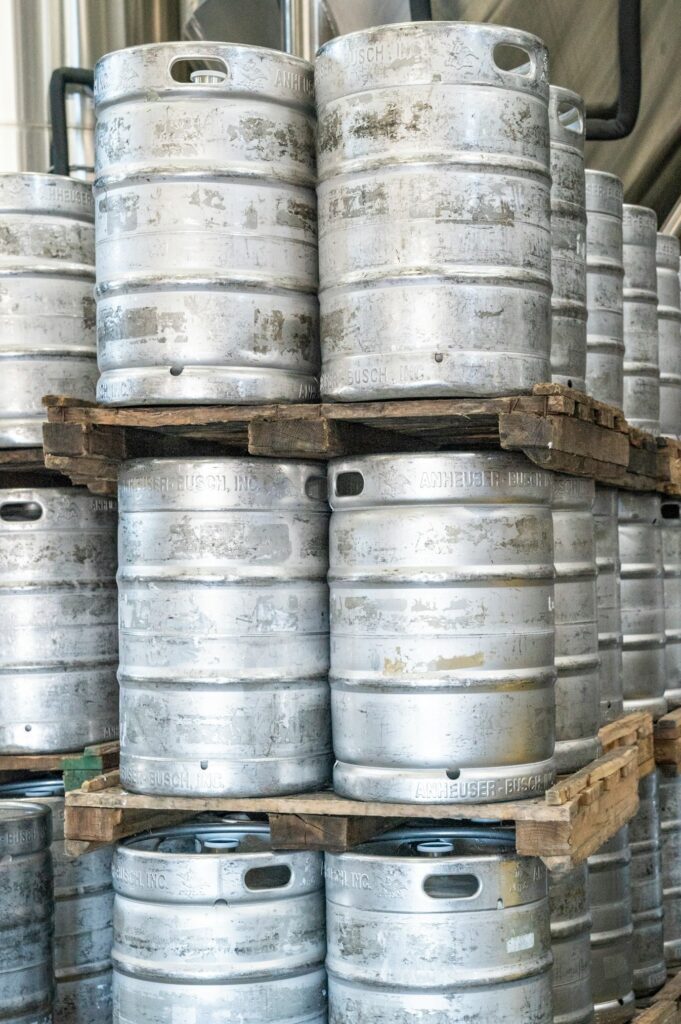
(608, 612)
(650, 971)
(669, 333)
(670, 524)
(641, 346)
(670, 835)
(571, 946)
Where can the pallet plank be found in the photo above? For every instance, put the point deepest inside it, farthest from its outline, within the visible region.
(633, 729)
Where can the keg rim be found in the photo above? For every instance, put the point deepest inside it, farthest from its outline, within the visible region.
(201, 47)
(190, 829)
(30, 789)
(503, 31)
(494, 833)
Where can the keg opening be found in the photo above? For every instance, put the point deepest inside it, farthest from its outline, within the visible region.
(316, 488)
(20, 511)
(515, 59)
(671, 510)
(570, 117)
(453, 773)
(349, 485)
(175, 371)
(274, 876)
(452, 887)
(199, 70)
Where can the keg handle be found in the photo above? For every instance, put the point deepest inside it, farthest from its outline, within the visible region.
(452, 886)
(83, 78)
(515, 58)
(202, 69)
(21, 511)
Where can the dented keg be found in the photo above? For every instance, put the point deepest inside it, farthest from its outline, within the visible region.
(576, 654)
(650, 971)
(568, 238)
(641, 347)
(604, 277)
(211, 925)
(612, 931)
(47, 313)
(670, 833)
(570, 944)
(26, 982)
(58, 634)
(206, 225)
(608, 603)
(669, 334)
(441, 575)
(434, 194)
(642, 603)
(438, 924)
(670, 525)
(223, 613)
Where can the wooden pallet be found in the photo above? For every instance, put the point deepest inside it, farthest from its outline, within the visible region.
(668, 739)
(25, 467)
(77, 768)
(631, 730)
(665, 1005)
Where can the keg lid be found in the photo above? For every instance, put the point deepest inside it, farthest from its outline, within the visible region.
(24, 827)
(204, 836)
(445, 841)
(32, 789)
(46, 194)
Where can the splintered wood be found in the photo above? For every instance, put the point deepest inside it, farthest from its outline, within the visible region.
(76, 767)
(668, 739)
(665, 1005)
(631, 730)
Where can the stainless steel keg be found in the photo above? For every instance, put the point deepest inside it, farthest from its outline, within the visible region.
(642, 602)
(669, 334)
(568, 238)
(26, 982)
(441, 924)
(571, 946)
(641, 347)
(434, 194)
(58, 635)
(223, 614)
(211, 925)
(669, 783)
(441, 575)
(608, 602)
(670, 523)
(206, 225)
(578, 713)
(47, 312)
(650, 971)
(612, 931)
(604, 277)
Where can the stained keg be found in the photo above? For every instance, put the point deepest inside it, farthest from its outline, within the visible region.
(26, 982)
(58, 634)
(669, 334)
(223, 614)
(670, 832)
(650, 970)
(206, 225)
(568, 238)
(434, 194)
(571, 946)
(47, 312)
(441, 576)
(670, 523)
(604, 282)
(211, 925)
(641, 347)
(608, 602)
(578, 711)
(642, 603)
(612, 931)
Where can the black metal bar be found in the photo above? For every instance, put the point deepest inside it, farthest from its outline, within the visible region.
(618, 120)
(62, 78)
(421, 10)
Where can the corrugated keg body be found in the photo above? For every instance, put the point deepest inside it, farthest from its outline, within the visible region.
(608, 602)
(47, 310)
(670, 832)
(210, 926)
(612, 931)
(441, 924)
(223, 611)
(26, 926)
(58, 632)
(641, 346)
(669, 333)
(578, 712)
(571, 946)
(83, 907)
(650, 970)
(604, 283)
(206, 226)
(434, 194)
(441, 575)
(642, 598)
(568, 238)
(670, 528)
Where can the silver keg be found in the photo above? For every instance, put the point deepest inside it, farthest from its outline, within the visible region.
(206, 225)
(670, 524)
(612, 931)
(571, 946)
(441, 924)
(223, 613)
(568, 238)
(669, 334)
(441, 576)
(604, 277)
(641, 347)
(434, 194)
(578, 713)
(83, 906)
(669, 783)
(211, 925)
(642, 603)
(26, 926)
(47, 312)
(58, 634)
(650, 971)
(608, 602)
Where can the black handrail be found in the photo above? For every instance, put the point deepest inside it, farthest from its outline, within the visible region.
(62, 78)
(421, 10)
(618, 120)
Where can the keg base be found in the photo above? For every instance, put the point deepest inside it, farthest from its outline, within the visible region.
(617, 1011)
(673, 698)
(203, 385)
(649, 980)
(571, 755)
(657, 706)
(443, 786)
(21, 433)
(576, 383)
(213, 777)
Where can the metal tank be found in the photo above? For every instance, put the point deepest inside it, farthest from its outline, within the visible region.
(434, 194)
(608, 611)
(612, 969)
(58, 636)
(670, 528)
(568, 239)
(206, 226)
(571, 946)
(642, 603)
(230, 696)
(604, 283)
(578, 714)
(669, 783)
(26, 982)
(441, 576)
(650, 970)
(47, 313)
(641, 347)
(669, 334)
(467, 915)
(211, 925)
(83, 907)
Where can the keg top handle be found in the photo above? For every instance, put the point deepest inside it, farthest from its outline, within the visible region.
(61, 79)
(21, 510)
